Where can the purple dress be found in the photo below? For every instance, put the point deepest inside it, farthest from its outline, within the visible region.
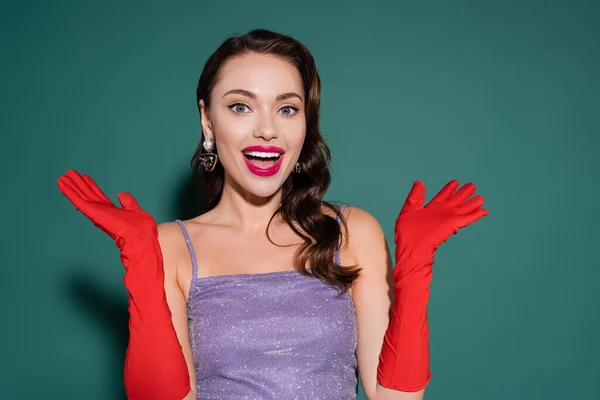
(275, 335)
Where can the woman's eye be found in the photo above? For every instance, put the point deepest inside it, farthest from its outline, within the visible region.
(239, 108)
(288, 110)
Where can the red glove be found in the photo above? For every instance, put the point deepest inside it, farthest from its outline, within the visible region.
(419, 231)
(155, 367)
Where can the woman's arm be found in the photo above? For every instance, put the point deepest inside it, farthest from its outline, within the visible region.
(419, 230)
(155, 367)
(170, 239)
(372, 295)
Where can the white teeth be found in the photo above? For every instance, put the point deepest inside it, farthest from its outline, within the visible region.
(261, 154)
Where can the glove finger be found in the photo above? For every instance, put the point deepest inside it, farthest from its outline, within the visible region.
(75, 197)
(468, 219)
(67, 180)
(79, 180)
(471, 205)
(462, 194)
(94, 187)
(446, 192)
(83, 204)
(415, 198)
(128, 201)
(67, 191)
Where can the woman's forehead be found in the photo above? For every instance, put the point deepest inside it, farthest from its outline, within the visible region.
(262, 74)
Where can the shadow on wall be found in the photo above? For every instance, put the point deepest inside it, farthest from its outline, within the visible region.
(108, 314)
(106, 309)
(190, 201)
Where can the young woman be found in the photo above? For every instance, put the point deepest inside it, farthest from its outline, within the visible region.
(273, 293)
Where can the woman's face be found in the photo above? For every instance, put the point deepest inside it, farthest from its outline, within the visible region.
(257, 120)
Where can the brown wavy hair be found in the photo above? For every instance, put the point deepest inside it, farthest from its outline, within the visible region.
(302, 198)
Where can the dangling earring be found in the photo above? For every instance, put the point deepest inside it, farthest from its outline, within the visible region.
(208, 159)
(297, 168)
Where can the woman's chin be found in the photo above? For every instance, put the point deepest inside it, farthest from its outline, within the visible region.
(263, 188)
(255, 185)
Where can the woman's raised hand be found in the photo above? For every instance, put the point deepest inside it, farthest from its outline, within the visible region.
(423, 228)
(119, 223)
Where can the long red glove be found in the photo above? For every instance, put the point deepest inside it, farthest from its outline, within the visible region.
(155, 367)
(419, 231)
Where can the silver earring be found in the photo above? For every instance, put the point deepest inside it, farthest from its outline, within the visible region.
(208, 159)
(297, 168)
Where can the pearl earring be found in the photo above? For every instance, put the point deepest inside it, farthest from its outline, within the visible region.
(208, 159)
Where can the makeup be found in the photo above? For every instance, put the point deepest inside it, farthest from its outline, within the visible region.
(263, 160)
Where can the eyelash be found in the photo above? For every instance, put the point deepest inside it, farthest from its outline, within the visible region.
(239, 103)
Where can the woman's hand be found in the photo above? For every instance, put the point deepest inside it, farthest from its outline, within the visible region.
(422, 229)
(121, 224)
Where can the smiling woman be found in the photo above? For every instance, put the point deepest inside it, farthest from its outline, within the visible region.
(273, 293)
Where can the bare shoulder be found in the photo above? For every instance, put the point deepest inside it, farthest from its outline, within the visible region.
(169, 236)
(362, 219)
(354, 215)
(367, 248)
(364, 231)
(171, 243)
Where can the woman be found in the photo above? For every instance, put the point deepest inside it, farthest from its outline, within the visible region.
(273, 293)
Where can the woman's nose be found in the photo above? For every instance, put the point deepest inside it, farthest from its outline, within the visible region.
(266, 129)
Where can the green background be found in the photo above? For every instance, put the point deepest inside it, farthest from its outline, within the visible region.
(504, 94)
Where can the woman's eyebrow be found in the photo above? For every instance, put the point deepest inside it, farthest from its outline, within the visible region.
(285, 96)
(247, 93)
(242, 92)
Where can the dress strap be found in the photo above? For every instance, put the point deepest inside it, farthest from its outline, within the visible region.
(190, 247)
(338, 257)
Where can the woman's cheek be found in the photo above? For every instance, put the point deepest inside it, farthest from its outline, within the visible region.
(300, 136)
(239, 127)
(233, 131)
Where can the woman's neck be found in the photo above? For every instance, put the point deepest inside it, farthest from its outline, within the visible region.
(238, 207)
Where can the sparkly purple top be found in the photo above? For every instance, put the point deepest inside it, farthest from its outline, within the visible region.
(274, 335)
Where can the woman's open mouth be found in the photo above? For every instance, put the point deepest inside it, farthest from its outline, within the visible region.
(263, 160)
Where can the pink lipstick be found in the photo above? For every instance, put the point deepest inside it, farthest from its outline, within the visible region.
(263, 160)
